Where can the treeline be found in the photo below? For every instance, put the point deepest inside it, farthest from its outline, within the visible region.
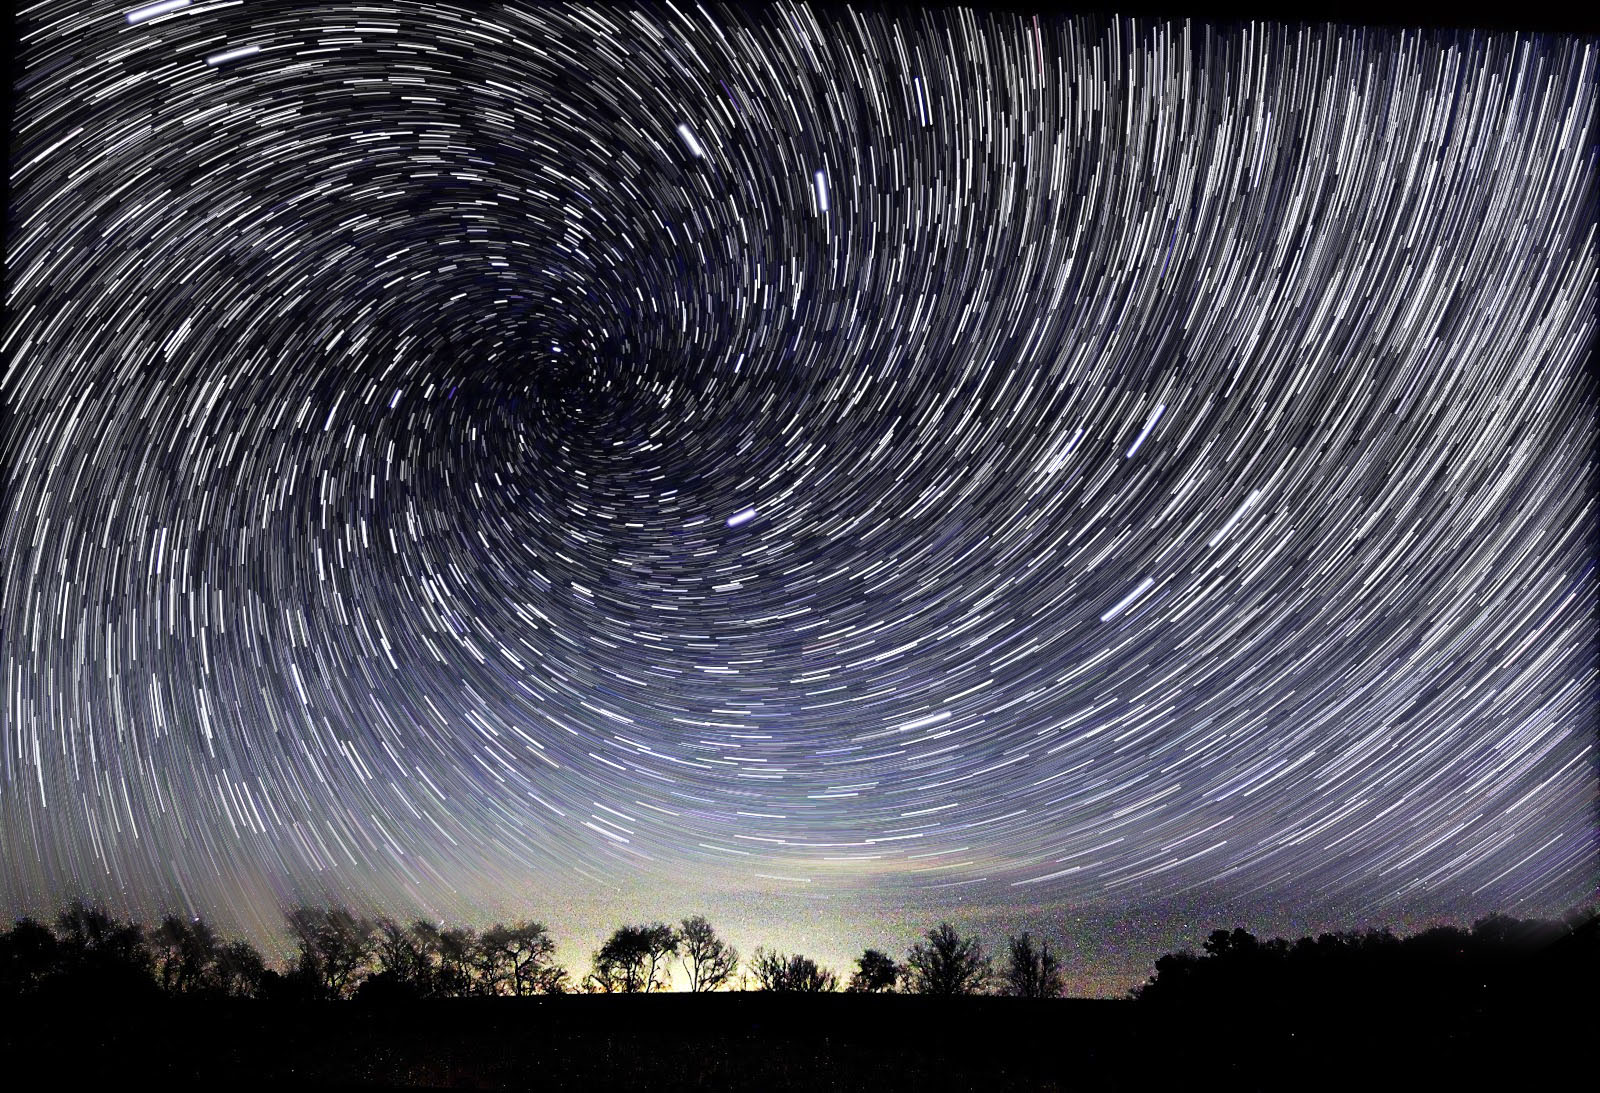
(1500, 962)
(341, 955)
(91, 954)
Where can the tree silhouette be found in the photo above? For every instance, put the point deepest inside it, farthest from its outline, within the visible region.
(1174, 976)
(794, 974)
(948, 964)
(405, 970)
(519, 960)
(634, 960)
(1493, 971)
(875, 972)
(1500, 964)
(99, 954)
(453, 950)
(237, 970)
(28, 958)
(1032, 971)
(185, 953)
(92, 954)
(490, 964)
(1518, 936)
(191, 960)
(335, 947)
(708, 959)
(1221, 943)
(768, 967)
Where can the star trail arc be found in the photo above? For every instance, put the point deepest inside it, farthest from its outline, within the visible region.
(1110, 459)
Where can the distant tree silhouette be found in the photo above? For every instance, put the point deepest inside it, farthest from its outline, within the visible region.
(1581, 919)
(404, 967)
(768, 968)
(28, 958)
(335, 947)
(237, 970)
(454, 954)
(93, 955)
(1174, 976)
(948, 964)
(1518, 936)
(185, 954)
(490, 964)
(875, 972)
(1443, 977)
(300, 982)
(709, 960)
(1032, 971)
(190, 959)
(1221, 943)
(634, 960)
(385, 988)
(1501, 965)
(520, 960)
(98, 955)
(776, 971)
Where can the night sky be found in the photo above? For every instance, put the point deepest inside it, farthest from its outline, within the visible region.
(828, 470)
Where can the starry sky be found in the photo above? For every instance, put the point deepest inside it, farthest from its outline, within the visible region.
(829, 468)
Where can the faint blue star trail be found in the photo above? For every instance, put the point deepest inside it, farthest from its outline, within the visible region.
(805, 456)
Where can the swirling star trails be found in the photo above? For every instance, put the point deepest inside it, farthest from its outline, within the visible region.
(1090, 461)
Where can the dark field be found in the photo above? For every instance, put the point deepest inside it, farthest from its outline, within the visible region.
(762, 1041)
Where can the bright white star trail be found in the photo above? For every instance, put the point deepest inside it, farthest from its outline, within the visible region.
(460, 452)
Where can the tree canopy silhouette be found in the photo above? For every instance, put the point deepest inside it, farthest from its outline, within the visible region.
(430, 960)
(29, 956)
(876, 972)
(335, 947)
(451, 952)
(190, 959)
(405, 970)
(634, 960)
(1441, 969)
(520, 960)
(795, 974)
(709, 960)
(92, 954)
(101, 954)
(948, 964)
(1032, 970)
(1493, 967)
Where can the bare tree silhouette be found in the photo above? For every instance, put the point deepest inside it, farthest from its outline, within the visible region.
(405, 970)
(94, 955)
(335, 947)
(519, 960)
(708, 959)
(238, 969)
(1032, 971)
(794, 974)
(185, 952)
(634, 960)
(452, 950)
(948, 964)
(101, 954)
(190, 959)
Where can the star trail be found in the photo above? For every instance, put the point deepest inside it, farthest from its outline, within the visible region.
(794, 452)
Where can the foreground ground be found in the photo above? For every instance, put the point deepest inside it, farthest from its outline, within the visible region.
(770, 1042)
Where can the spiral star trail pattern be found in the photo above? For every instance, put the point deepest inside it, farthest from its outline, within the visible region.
(460, 450)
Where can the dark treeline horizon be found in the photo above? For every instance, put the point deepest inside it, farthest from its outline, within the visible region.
(88, 953)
